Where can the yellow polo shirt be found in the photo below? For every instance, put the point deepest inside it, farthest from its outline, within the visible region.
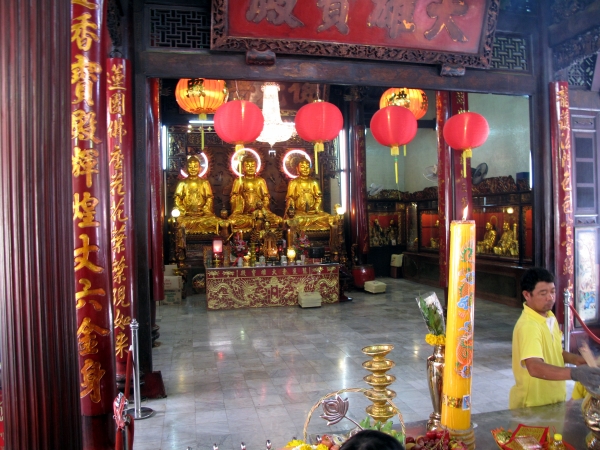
(532, 339)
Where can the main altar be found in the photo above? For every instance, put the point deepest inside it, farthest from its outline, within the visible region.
(253, 287)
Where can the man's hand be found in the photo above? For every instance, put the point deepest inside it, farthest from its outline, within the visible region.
(588, 376)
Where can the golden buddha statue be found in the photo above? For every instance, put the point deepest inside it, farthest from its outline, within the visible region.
(434, 242)
(508, 244)
(489, 239)
(305, 196)
(269, 241)
(194, 200)
(246, 194)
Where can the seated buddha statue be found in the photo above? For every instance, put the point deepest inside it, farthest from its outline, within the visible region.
(489, 239)
(247, 192)
(507, 244)
(305, 196)
(194, 200)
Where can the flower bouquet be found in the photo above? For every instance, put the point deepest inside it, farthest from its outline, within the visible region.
(431, 309)
(239, 247)
(303, 244)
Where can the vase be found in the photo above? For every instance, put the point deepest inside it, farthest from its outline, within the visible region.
(435, 378)
(590, 408)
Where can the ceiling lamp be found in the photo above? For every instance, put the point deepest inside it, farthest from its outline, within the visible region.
(413, 99)
(201, 96)
(394, 126)
(465, 131)
(317, 122)
(274, 130)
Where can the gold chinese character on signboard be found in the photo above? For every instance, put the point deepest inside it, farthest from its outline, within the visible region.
(85, 162)
(81, 32)
(86, 336)
(85, 3)
(118, 270)
(117, 186)
(83, 75)
(85, 210)
(276, 12)
(80, 295)
(303, 92)
(563, 97)
(117, 212)
(117, 239)
(116, 103)
(335, 13)
(121, 321)
(395, 15)
(92, 373)
(83, 126)
(116, 158)
(116, 78)
(121, 344)
(116, 129)
(442, 13)
(119, 297)
(82, 255)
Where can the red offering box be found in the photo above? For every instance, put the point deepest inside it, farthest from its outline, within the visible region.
(539, 433)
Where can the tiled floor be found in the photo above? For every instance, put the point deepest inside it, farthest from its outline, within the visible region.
(254, 374)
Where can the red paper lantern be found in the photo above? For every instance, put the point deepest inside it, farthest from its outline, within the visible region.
(200, 95)
(413, 99)
(394, 126)
(465, 131)
(238, 122)
(318, 122)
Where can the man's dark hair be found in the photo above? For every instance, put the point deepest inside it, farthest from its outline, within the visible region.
(372, 440)
(533, 276)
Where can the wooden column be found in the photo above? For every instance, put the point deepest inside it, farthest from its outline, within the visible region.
(445, 206)
(357, 177)
(463, 188)
(564, 245)
(38, 344)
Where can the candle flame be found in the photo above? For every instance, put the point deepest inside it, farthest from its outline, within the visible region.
(465, 212)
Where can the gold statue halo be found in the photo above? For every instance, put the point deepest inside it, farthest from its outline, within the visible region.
(290, 160)
(236, 160)
(204, 158)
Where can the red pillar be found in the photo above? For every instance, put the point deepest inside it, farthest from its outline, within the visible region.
(91, 223)
(562, 181)
(120, 156)
(40, 376)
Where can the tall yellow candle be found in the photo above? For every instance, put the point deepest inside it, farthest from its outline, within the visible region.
(456, 391)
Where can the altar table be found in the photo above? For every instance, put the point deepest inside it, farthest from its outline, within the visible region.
(254, 287)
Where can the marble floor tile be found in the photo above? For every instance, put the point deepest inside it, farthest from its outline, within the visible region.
(254, 374)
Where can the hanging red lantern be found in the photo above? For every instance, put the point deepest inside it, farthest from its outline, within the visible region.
(239, 122)
(200, 96)
(413, 99)
(394, 126)
(318, 122)
(465, 131)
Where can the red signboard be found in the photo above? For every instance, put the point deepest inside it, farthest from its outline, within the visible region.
(427, 31)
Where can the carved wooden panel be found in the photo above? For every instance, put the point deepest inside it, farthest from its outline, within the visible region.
(178, 27)
(511, 52)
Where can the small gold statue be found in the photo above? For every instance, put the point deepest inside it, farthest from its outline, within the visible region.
(194, 200)
(269, 241)
(508, 244)
(305, 195)
(489, 239)
(247, 192)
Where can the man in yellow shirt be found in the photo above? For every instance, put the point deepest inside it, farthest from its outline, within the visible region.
(538, 360)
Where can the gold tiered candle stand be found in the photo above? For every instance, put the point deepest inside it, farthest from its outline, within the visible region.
(379, 394)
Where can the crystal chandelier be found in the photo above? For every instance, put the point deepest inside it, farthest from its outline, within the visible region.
(275, 130)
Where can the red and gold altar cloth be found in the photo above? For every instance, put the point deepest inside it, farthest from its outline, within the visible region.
(255, 287)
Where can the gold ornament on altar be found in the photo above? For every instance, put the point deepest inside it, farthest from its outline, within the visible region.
(379, 381)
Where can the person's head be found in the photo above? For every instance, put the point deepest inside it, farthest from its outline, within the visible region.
(193, 166)
(303, 167)
(249, 165)
(538, 289)
(506, 226)
(372, 440)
